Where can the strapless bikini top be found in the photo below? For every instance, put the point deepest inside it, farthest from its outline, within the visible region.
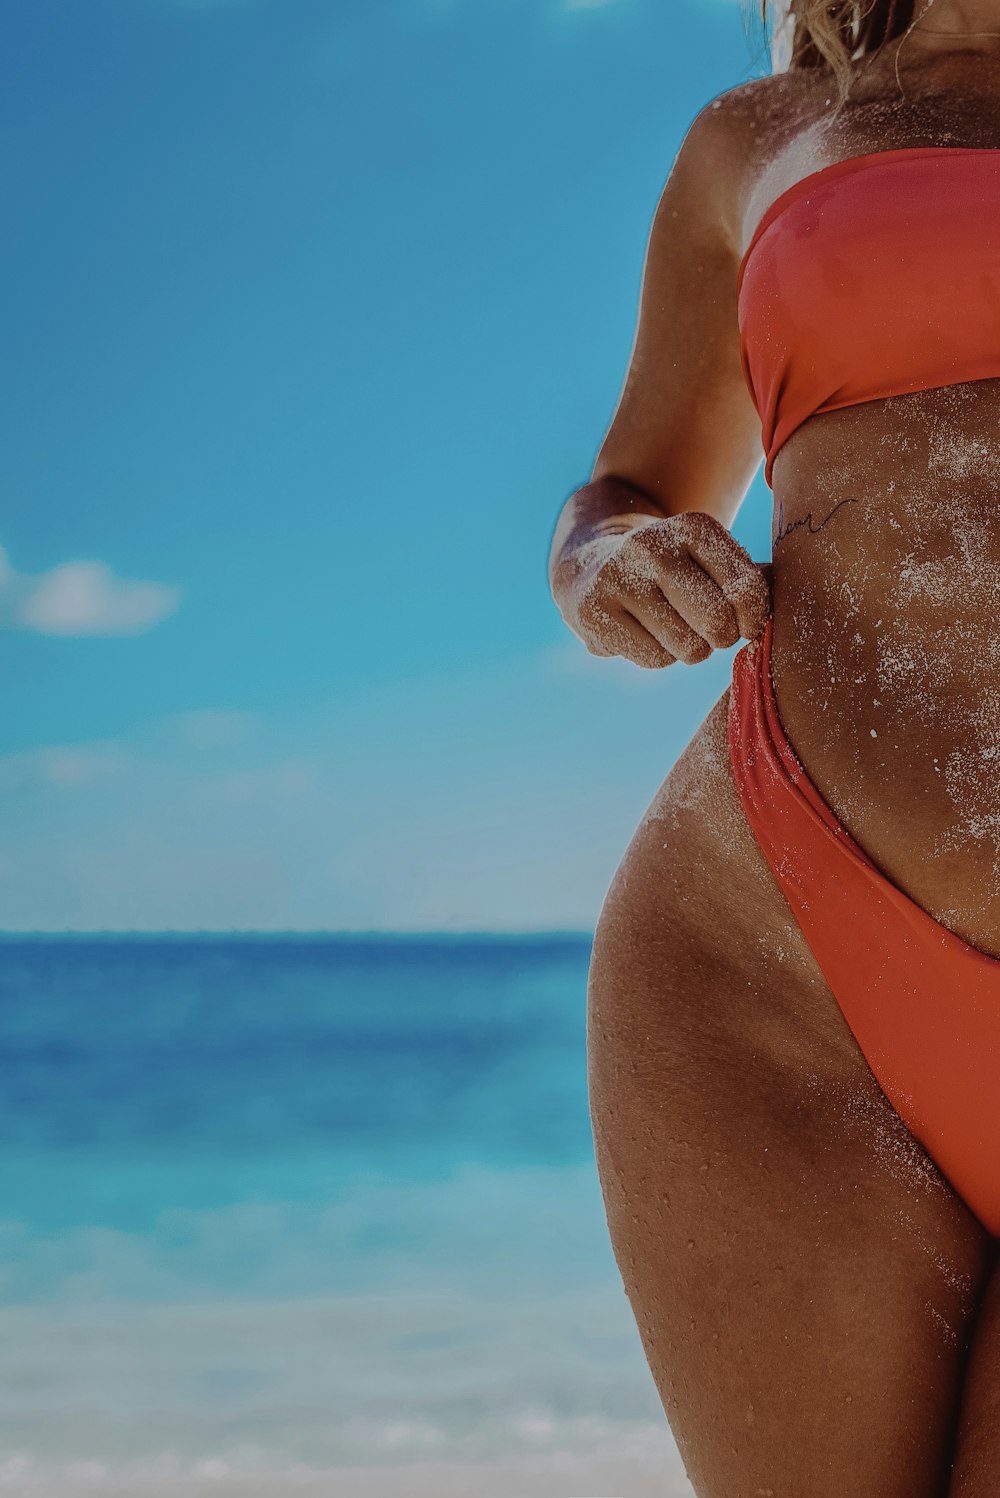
(876, 276)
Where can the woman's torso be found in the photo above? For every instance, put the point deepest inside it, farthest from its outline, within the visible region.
(886, 550)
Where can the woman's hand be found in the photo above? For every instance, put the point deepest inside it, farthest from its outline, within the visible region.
(665, 590)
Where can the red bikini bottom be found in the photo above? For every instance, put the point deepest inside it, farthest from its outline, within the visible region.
(924, 1005)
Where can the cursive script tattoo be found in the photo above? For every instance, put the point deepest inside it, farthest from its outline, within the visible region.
(807, 519)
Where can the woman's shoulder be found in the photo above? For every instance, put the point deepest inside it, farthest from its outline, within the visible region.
(766, 114)
(739, 133)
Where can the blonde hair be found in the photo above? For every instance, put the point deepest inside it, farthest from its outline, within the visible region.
(831, 33)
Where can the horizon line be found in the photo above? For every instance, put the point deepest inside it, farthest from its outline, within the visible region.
(349, 933)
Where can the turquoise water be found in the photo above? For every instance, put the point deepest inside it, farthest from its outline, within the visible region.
(311, 1216)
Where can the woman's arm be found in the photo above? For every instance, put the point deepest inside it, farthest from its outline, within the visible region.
(685, 438)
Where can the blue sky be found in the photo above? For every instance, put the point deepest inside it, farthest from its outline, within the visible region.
(314, 315)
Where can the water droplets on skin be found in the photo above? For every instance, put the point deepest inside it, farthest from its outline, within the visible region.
(894, 622)
(907, 1163)
(900, 1154)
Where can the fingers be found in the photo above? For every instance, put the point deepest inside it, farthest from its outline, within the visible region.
(730, 566)
(613, 629)
(709, 579)
(643, 626)
(673, 632)
(674, 589)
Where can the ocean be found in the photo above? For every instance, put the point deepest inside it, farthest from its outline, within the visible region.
(310, 1216)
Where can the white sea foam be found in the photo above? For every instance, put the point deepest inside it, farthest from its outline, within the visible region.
(384, 1395)
(465, 1357)
(614, 1461)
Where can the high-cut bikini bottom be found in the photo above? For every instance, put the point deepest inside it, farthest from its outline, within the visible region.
(923, 1005)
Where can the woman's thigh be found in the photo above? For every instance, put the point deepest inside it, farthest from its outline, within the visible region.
(977, 1457)
(803, 1278)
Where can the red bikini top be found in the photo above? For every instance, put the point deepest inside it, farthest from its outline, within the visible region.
(876, 276)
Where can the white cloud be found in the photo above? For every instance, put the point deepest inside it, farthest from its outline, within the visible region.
(62, 764)
(509, 810)
(209, 728)
(81, 598)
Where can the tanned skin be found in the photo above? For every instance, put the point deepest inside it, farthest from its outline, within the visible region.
(819, 1309)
